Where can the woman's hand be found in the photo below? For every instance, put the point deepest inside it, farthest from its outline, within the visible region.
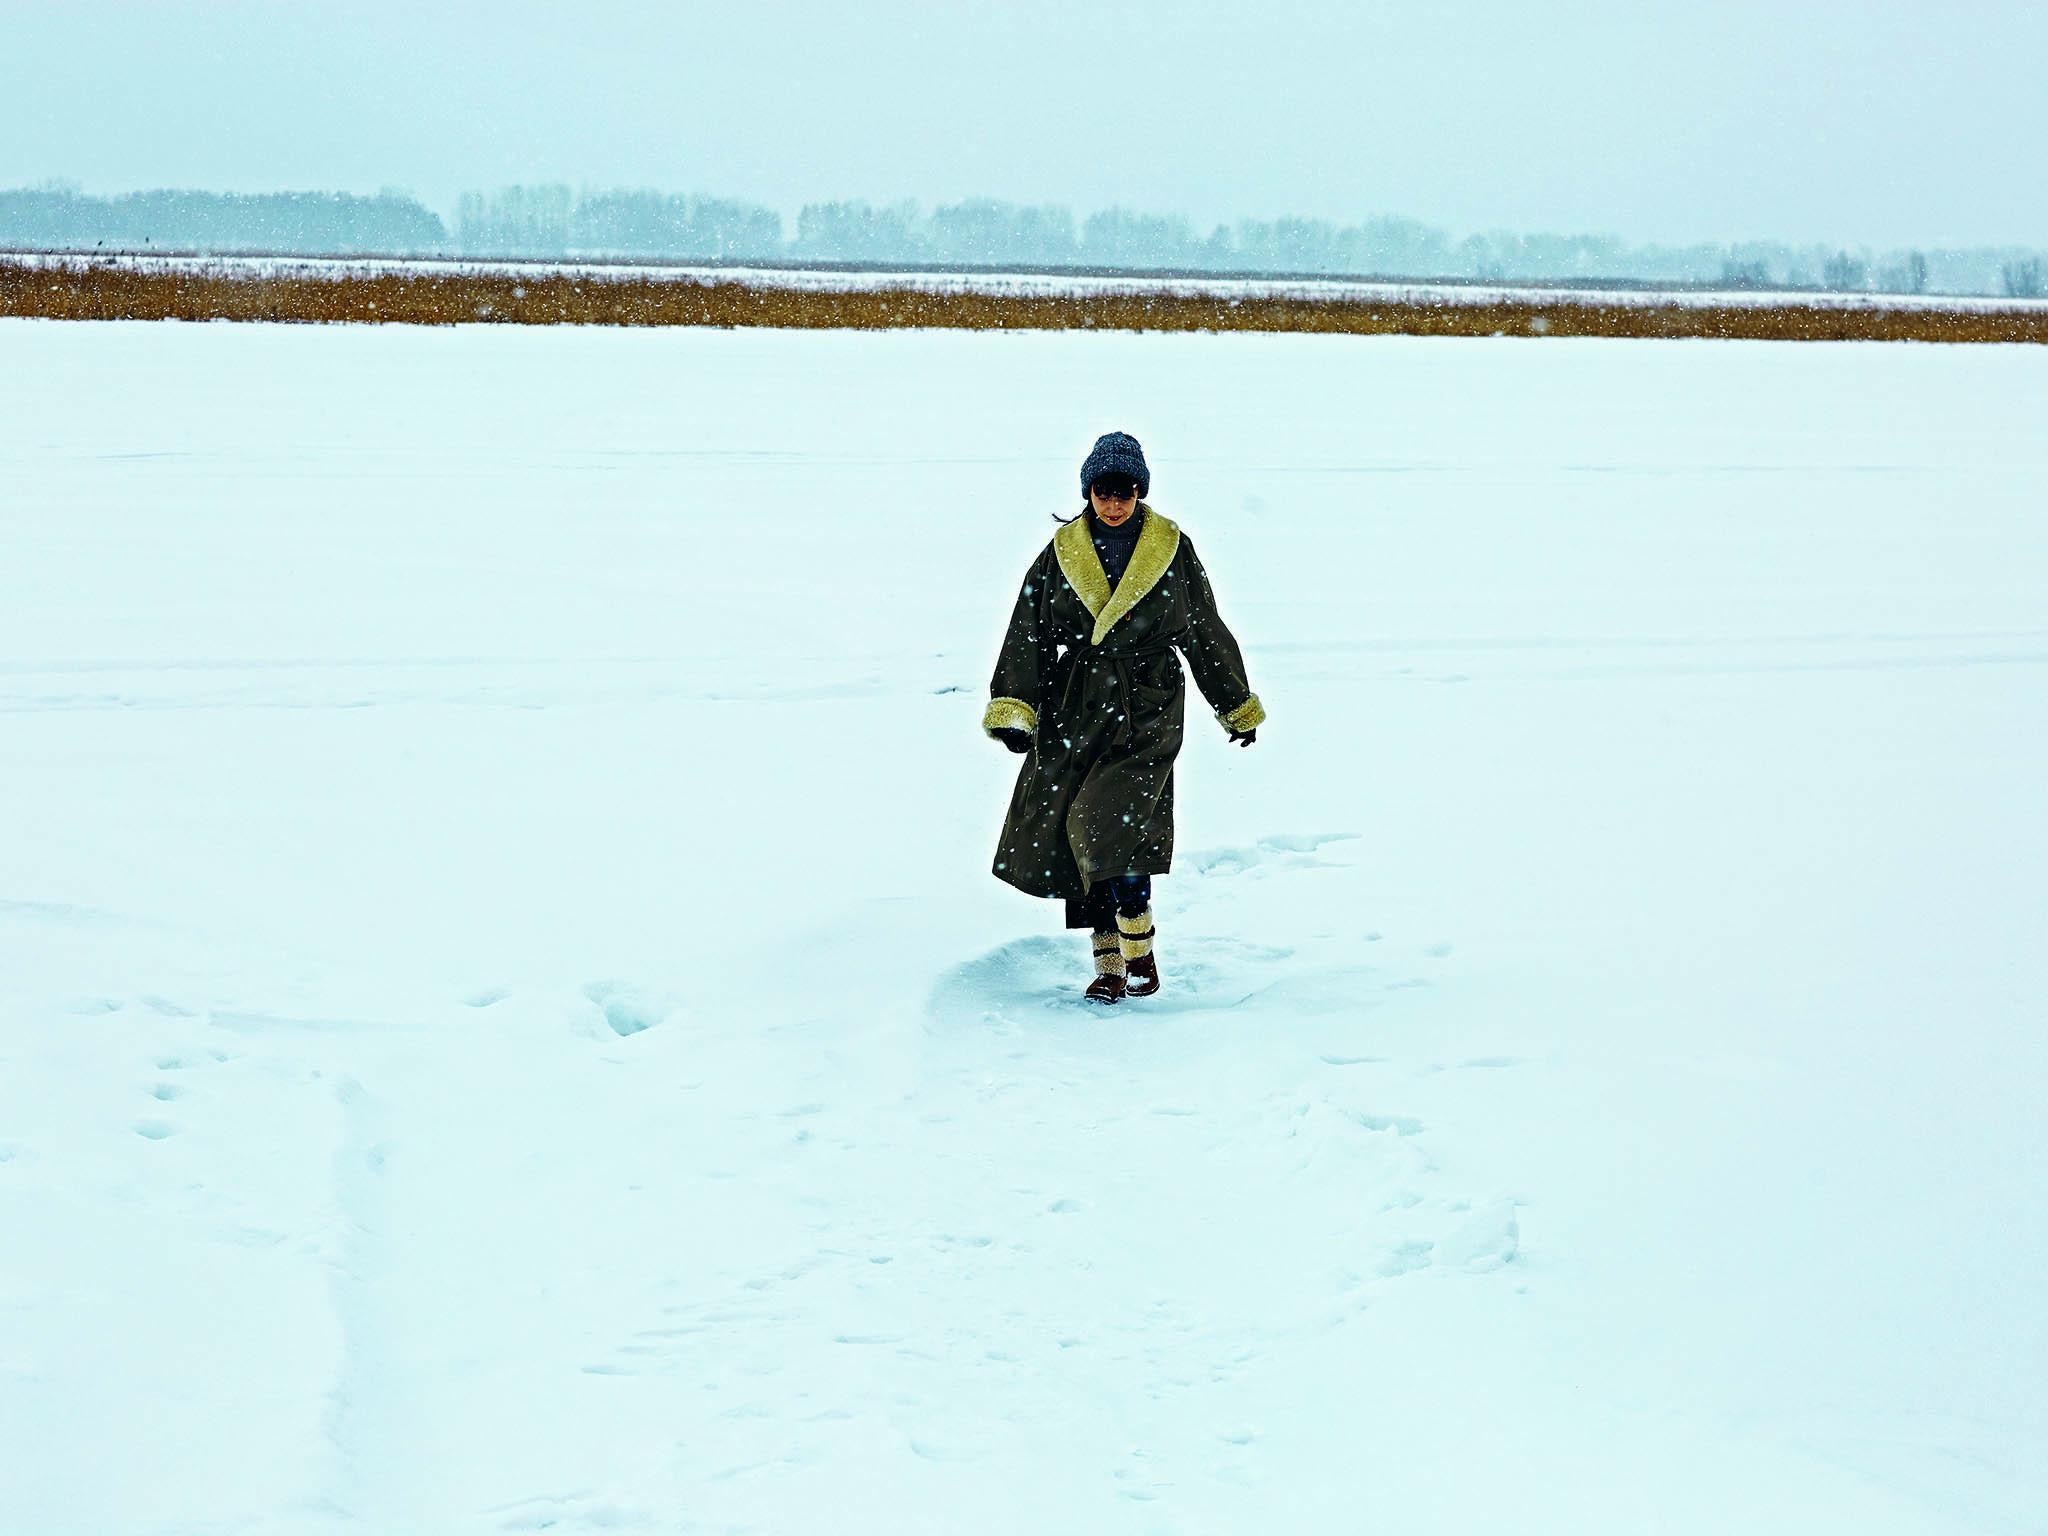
(1014, 739)
(1245, 738)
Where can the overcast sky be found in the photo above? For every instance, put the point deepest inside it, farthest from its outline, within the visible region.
(1873, 123)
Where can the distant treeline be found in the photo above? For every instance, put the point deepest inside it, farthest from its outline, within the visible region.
(552, 222)
(309, 223)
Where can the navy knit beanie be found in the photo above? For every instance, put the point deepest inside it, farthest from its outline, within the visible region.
(1116, 453)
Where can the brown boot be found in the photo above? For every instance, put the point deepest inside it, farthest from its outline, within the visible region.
(1105, 989)
(1134, 944)
(1108, 985)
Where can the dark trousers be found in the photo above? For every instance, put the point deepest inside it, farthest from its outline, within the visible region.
(1098, 910)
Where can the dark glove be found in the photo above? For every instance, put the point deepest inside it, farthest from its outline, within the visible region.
(1245, 738)
(1014, 739)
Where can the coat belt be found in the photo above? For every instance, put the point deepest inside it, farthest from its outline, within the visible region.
(1120, 668)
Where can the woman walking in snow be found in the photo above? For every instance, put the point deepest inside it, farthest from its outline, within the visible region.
(1089, 690)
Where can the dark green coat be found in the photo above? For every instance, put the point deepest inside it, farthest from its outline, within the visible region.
(1092, 677)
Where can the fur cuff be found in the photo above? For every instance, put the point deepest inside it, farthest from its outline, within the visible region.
(1009, 715)
(1248, 716)
(1134, 935)
(1109, 955)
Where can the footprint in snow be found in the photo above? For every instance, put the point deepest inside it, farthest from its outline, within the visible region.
(1304, 842)
(1038, 981)
(1480, 1240)
(189, 1059)
(1405, 1259)
(627, 1010)
(1292, 850)
(581, 1510)
(1488, 1238)
(1400, 1125)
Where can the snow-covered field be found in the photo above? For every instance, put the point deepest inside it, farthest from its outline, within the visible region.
(1066, 284)
(505, 1023)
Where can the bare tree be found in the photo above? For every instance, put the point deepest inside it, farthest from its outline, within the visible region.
(1906, 275)
(1844, 273)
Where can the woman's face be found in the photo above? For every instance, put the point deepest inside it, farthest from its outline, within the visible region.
(1112, 508)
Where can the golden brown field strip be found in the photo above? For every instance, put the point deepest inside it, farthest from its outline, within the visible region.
(100, 290)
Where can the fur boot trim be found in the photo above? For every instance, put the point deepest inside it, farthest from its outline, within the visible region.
(1134, 935)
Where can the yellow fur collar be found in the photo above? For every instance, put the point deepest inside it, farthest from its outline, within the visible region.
(1158, 543)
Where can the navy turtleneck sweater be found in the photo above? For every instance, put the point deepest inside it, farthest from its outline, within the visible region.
(1114, 545)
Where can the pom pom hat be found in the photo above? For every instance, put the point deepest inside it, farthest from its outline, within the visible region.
(1116, 453)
